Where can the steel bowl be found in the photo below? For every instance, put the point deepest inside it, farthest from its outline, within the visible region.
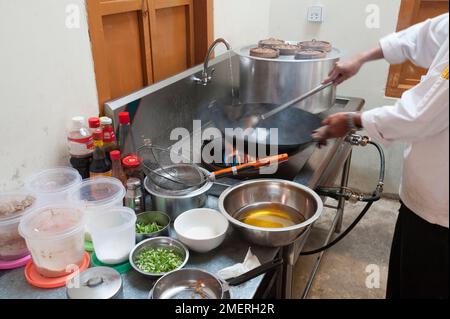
(174, 204)
(150, 217)
(158, 242)
(251, 193)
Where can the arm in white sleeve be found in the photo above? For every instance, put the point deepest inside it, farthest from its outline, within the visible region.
(418, 44)
(421, 112)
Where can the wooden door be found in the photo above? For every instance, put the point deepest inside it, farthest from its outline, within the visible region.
(138, 42)
(121, 46)
(172, 36)
(405, 76)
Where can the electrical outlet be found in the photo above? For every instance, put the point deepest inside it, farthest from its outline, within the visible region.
(315, 14)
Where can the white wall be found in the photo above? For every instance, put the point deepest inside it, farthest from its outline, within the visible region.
(241, 21)
(46, 77)
(345, 26)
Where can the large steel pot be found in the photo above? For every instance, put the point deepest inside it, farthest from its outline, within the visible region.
(291, 194)
(173, 204)
(277, 81)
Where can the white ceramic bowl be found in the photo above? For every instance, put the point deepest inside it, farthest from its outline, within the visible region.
(201, 229)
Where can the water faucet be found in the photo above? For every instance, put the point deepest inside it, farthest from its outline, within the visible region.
(205, 78)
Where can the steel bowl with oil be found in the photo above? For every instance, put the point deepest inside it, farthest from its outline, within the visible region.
(251, 194)
(158, 242)
(160, 218)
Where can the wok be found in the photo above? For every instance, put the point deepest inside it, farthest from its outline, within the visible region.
(295, 126)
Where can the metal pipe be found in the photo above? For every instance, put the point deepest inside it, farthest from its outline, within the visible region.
(205, 77)
(344, 183)
(312, 276)
(337, 223)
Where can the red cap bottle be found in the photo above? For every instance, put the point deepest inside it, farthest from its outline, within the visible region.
(131, 161)
(115, 155)
(94, 122)
(124, 118)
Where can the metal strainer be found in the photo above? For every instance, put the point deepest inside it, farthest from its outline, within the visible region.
(170, 170)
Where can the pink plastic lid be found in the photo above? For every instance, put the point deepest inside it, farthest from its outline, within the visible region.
(13, 264)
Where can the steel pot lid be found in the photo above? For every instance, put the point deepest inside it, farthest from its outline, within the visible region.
(244, 52)
(95, 283)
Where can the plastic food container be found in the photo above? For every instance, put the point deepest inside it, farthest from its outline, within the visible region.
(97, 195)
(113, 234)
(52, 186)
(13, 206)
(55, 237)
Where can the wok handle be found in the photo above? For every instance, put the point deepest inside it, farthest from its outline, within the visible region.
(250, 166)
(260, 270)
(299, 99)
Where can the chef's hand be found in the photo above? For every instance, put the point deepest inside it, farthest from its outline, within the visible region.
(344, 70)
(336, 126)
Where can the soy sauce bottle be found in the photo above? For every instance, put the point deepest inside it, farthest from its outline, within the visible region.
(100, 166)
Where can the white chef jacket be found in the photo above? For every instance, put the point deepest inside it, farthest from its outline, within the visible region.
(420, 118)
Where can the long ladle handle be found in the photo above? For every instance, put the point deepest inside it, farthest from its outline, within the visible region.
(258, 271)
(295, 101)
(235, 170)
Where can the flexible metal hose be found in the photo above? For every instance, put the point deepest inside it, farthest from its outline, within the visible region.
(376, 195)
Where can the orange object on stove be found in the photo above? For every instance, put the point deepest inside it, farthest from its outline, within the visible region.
(235, 170)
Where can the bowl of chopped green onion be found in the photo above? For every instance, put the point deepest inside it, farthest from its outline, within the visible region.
(151, 224)
(158, 256)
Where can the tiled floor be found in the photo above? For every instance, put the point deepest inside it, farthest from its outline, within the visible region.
(357, 259)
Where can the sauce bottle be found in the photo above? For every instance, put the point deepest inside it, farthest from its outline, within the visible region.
(117, 170)
(80, 144)
(100, 166)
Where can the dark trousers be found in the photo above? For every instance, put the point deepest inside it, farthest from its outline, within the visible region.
(418, 266)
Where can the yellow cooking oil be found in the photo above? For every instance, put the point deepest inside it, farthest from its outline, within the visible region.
(270, 215)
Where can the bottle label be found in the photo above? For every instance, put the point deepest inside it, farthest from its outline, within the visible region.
(88, 141)
(108, 135)
(106, 174)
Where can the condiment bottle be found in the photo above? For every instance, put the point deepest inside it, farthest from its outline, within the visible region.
(80, 144)
(132, 167)
(109, 137)
(94, 124)
(125, 135)
(99, 165)
(134, 198)
(117, 170)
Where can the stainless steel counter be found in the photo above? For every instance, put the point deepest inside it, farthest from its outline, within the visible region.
(14, 286)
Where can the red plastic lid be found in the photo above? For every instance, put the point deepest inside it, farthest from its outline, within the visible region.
(36, 279)
(131, 161)
(13, 264)
(94, 122)
(124, 118)
(115, 155)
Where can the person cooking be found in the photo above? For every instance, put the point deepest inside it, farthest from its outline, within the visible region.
(419, 265)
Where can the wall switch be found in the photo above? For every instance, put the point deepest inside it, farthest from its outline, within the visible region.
(315, 14)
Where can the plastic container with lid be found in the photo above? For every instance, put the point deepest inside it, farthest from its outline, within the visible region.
(113, 233)
(97, 195)
(55, 237)
(53, 185)
(13, 206)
